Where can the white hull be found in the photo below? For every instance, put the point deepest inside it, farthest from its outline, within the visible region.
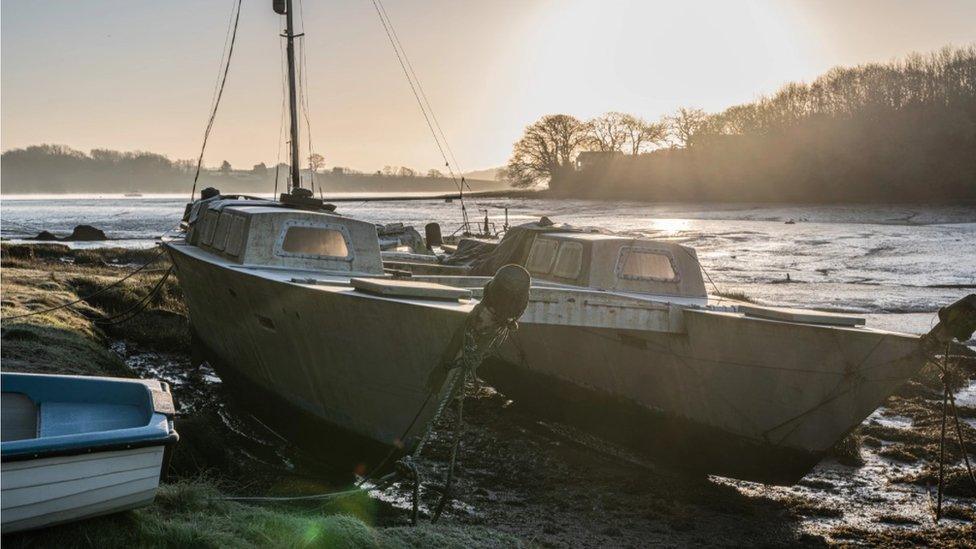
(356, 361)
(749, 389)
(47, 491)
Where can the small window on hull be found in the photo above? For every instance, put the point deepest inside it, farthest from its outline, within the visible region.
(315, 241)
(637, 264)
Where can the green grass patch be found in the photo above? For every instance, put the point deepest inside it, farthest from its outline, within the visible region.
(192, 514)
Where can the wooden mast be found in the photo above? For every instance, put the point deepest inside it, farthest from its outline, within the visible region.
(296, 177)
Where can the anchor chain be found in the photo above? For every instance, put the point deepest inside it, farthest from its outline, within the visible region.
(487, 326)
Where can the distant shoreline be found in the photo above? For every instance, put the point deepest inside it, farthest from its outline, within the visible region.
(540, 194)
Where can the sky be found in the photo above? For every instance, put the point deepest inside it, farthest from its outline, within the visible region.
(140, 74)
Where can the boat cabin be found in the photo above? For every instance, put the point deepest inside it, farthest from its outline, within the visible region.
(269, 234)
(616, 263)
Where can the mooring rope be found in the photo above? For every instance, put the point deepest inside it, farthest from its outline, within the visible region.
(219, 94)
(139, 306)
(477, 345)
(86, 298)
(949, 403)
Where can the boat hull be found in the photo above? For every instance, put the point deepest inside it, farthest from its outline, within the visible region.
(47, 491)
(731, 395)
(331, 354)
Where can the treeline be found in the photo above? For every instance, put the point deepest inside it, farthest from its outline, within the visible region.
(895, 132)
(61, 169)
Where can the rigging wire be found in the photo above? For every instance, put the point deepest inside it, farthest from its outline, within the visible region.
(236, 16)
(423, 94)
(281, 123)
(303, 94)
(414, 85)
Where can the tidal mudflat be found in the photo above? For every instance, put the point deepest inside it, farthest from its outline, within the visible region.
(521, 481)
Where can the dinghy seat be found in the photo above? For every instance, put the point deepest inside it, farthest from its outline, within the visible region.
(19, 417)
(71, 418)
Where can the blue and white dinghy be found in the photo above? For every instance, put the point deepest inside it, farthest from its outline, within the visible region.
(74, 447)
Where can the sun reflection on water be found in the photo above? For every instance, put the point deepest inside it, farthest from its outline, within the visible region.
(670, 226)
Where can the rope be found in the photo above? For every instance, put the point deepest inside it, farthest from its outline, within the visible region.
(476, 347)
(949, 403)
(421, 97)
(303, 95)
(220, 92)
(702, 267)
(312, 497)
(140, 305)
(281, 120)
(86, 298)
(423, 94)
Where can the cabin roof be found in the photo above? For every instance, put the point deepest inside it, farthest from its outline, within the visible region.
(584, 236)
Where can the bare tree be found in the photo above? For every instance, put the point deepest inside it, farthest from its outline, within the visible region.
(609, 132)
(642, 135)
(436, 174)
(684, 124)
(547, 147)
(316, 161)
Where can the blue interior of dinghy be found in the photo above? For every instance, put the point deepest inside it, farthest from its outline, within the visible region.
(83, 413)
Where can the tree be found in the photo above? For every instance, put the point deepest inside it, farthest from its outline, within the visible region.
(260, 169)
(609, 132)
(316, 161)
(642, 135)
(225, 167)
(406, 172)
(185, 165)
(547, 148)
(436, 174)
(684, 124)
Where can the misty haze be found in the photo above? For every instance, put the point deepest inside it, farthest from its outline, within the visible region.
(448, 273)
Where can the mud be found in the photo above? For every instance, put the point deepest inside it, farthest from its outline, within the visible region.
(552, 485)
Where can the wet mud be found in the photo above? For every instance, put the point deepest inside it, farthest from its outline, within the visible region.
(553, 485)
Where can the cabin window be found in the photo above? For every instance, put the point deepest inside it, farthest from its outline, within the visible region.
(637, 264)
(209, 226)
(541, 256)
(220, 233)
(569, 260)
(235, 236)
(315, 242)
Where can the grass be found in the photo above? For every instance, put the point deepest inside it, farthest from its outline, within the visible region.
(62, 341)
(192, 514)
(188, 512)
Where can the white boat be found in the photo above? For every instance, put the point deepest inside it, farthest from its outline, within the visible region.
(620, 336)
(76, 447)
(291, 299)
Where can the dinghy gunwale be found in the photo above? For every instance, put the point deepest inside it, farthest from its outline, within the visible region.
(158, 429)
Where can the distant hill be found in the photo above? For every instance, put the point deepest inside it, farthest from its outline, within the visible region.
(53, 169)
(488, 174)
